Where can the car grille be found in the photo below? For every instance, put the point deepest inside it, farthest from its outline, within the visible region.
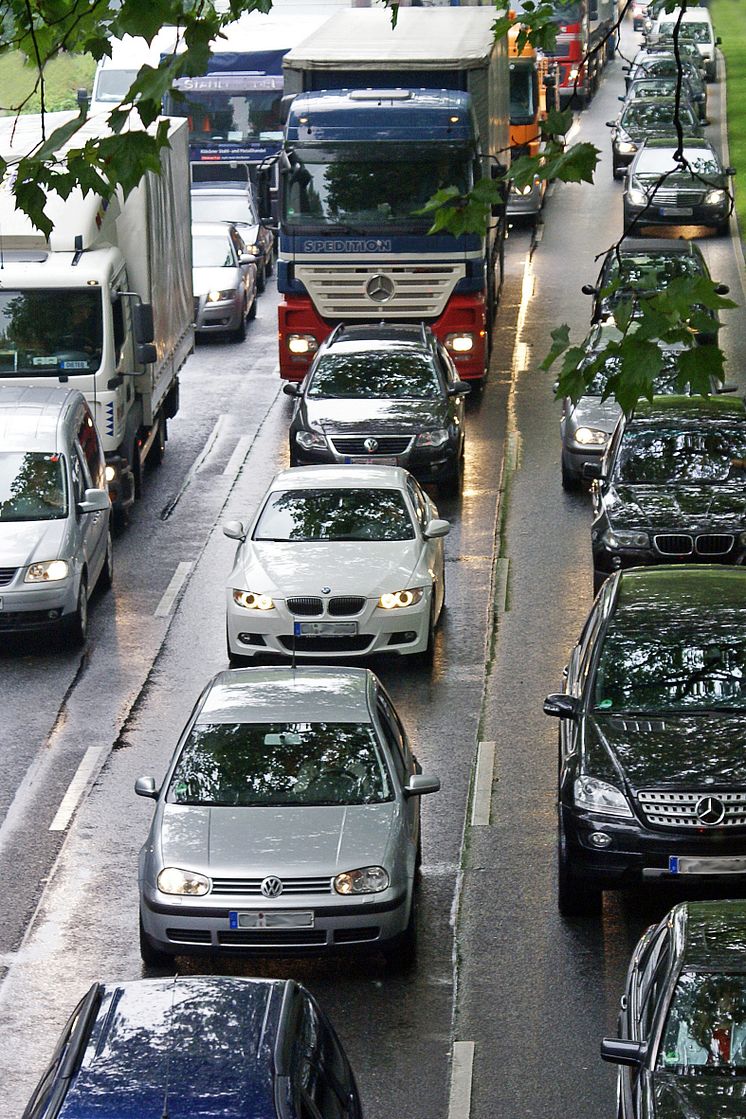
(251, 887)
(678, 197)
(339, 607)
(387, 444)
(308, 607)
(345, 605)
(331, 645)
(7, 575)
(271, 937)
(339, 291)
(665, 809)
(685, 544)
(28, 619)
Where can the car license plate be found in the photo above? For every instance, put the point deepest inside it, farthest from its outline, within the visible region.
(274, 919)
(676, 211)
(324, 629)
(723, 864)
(372, 460)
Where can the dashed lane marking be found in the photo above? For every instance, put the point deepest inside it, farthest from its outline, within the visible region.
(180, 576)
(462, 1065)
(482, 796)
(76, 788)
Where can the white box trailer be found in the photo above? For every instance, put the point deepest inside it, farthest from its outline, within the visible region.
(75, 306)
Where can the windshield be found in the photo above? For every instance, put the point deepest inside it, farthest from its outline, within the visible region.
(112, 85)
(381, 375)
(665, 384)
(335, 514)
(705, 1033)
(32, 486)
(212, 252)
(674, 670)
(523, 93)
(694, 32)
(648, 271)
(358, 186)
(652, 87)
(657, 456)
(222, 207)
(654, 116)
(659, 161)
(280, 764)
(46, 331)
(229, 115)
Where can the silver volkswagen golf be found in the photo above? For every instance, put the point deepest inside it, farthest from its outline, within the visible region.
(288, 821)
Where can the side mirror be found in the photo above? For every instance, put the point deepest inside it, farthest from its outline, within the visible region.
(721, 289)
(622, 1052)
(245, 258)
(730, 170)
(592, 470)
(292, 388)
(436, 528)
(94, 501)
(146, 787)
(459, 388)
(561, 706)
(626, 69)
(718, 41)
(588, 289)
(420, 785)
(142, 318)
(146, 353)
(728, 386)
(234, 530)
(611, 124)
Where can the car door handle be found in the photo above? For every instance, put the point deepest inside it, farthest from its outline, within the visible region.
(623, 1002)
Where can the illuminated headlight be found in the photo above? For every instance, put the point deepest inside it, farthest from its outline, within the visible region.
(572, 75)
(626, 147)
(460, 343)
(392, 600)
(220, 296)
(522, 191)
(254, 250)
(366, 880)
(715, 197)
(110, 473)
(617, 539)
(591, 437)
(637, 197)
(309, 440)
(302, 344)
(432, 438)
(251, 600)
(597, 796)
(51, 571)
(171, 880)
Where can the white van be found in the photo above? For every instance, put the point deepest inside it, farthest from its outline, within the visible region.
(695, 27)
(55, 538)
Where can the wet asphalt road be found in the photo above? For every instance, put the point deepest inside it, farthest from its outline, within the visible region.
(534, 993)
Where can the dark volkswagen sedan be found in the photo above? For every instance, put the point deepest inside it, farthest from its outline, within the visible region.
(652, 766)
(387, 396)
(673, 486)
(681, 1048)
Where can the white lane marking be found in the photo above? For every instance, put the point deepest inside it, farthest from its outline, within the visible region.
(459, 1102)
(724, 147)
(481, 802)
(236, 461)
(76, 788)
(180, 576)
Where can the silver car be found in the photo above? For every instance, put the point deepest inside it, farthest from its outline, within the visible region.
(288, 822)
(224, 280)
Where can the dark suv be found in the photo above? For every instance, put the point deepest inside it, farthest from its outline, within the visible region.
(652, 763)
(673, 486)
(382, 395)
(233, 1048)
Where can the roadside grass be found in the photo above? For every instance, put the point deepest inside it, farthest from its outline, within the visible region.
(63, 77)
(729, 19)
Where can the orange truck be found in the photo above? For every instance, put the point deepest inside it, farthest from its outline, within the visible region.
(534, 90)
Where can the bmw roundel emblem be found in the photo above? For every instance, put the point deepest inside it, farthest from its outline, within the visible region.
(326, 590)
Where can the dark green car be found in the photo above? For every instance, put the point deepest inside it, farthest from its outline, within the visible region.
(645, 117)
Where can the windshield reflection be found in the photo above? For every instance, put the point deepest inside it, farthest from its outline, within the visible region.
(655, 456)
(385, 375)
(315, 515)
(32, 486)
(43, 331)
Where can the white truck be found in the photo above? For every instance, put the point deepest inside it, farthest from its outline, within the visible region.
(103, 304)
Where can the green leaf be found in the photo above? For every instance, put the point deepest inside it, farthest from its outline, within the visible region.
(560, 341)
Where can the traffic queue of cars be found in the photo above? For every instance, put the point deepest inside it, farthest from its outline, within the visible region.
(652, 783)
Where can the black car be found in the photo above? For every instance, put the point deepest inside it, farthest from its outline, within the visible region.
(673, 486)
(652, 761)
(639, 267)
(660, 189)
(645, 117)
(668, 66)
(681, 1048)
(385, 395)
(648, 87)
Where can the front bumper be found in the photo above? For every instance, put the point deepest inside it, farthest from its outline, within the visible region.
(574, 459)
(427, 465)
(665, 216)
(28, 607)
(526, 205)
(608, 560)
(210, 318)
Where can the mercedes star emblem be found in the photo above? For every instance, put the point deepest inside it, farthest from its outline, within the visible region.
(371, 445)
(379, 288)
(710, 811)
(271, 886)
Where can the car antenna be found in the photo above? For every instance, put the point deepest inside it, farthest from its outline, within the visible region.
(167, 1086)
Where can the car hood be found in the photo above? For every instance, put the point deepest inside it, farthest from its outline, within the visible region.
(252, 842)
(24, 542)
(213, 279)
(352, 417)
(678, 750)
(698, 1097)
(680, 180)
(679, 507)
(365, 567)
(592, 411)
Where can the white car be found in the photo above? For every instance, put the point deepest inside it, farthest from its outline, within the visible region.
(340, 561)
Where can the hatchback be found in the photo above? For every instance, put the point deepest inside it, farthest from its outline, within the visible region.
(288, 821)
(234, 203)
(224, 280)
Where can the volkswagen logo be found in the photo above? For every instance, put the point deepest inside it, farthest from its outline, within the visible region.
(271, 886)
(379, 288)
(371, 445)
(710, 811)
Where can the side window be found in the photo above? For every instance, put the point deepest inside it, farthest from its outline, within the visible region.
(448, 369)
(394, 740)
(652, 983)
(78, 471)
(91, 448)
(587, 645)
(120, 332)
(322, 1091)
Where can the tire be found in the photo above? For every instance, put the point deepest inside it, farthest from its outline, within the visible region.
(427, 656)
(722, 229)
(106, 578)
(76, 627)
(570, 483)
(451, 486)
(158, 446)
(575, 898)
(239, 334)
(270, 266)
(152, 956)
(599, 578)
(261, 278)
(401, 954)
(252, 309)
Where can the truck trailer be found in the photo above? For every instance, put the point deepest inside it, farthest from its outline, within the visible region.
(381, 120)
(585, 42)
(104, 303)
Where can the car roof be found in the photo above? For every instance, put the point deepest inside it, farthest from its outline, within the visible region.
(261, 695)
(655, 594)
(31, 418)
(714, 933)
(211, 228)
(338, 476)
(689, 409)
(188, 1039)
(382, 333)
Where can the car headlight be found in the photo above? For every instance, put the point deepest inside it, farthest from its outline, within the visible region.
(221, 296)
(171, 880)
(620, 539)
(393, 600)
(591, 437)
(309, 440)
(50, 571)
(523, 191)
(715, 197)
(460, 343)
(598, 796)
(573, 75)
(254, 250)
(366, 880)
(626, 147)
(252, 600)
(637, 197)
(302, 344)
(432, 438)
